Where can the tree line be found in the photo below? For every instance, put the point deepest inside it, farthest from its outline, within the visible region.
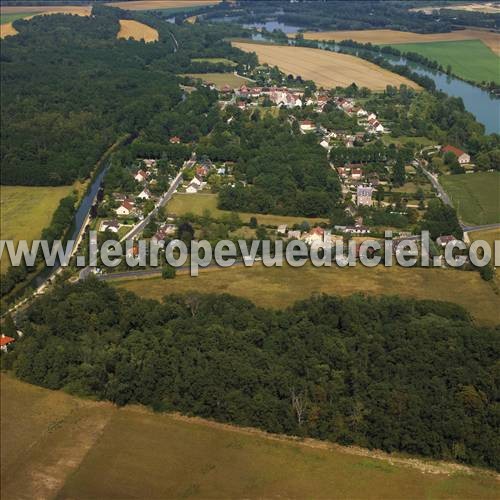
(387, 373)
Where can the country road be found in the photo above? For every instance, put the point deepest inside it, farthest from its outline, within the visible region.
(165, 198)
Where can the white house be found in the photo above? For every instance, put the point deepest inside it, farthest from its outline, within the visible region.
(145, 194)
(307, 125)
(462, 156)
(125, 208)
(282, 229)
(141, 176)
(364, 196)
(110, 225)
(194, 186)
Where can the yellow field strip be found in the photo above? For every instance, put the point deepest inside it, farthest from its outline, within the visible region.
(137, 31)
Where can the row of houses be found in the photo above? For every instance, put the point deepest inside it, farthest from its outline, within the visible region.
(369, 120)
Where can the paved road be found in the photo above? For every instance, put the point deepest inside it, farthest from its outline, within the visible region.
(84, 273)
(470, 229)
(437, 186)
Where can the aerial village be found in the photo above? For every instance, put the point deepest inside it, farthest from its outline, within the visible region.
(152, 181)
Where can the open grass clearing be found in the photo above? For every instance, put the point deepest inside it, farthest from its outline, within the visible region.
(198, 203)
(26, 210)
(162, 4)
(281, 287)
(137, 31)
(10, 18)
(469, 59)
(475, 196)
(214, 60)
(220, 79)
(381, 37)
(134, 453)
(327, 69)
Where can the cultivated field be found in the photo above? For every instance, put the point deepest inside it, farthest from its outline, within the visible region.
(492, 40)
(162, 4)
(283, 286)
(469, 59)
(220, 79)
(488, 235)
(475, 196)
(26, 12)
(137, 31)
(486, 8)
(198, 203)
(55, 445)
(327, 69)
(26, 210)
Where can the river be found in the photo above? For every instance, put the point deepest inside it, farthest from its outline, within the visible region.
(482, 104)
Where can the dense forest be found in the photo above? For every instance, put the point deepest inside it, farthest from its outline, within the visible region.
(348, 15)
(399, 375)
(278, 169)
(70, 89)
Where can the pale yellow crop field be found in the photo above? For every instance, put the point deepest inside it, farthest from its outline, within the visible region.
(327, 69)
(492, 40)
(9, 30)
(485, 8)
(137, 31)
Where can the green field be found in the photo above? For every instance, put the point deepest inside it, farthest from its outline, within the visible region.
(214, 60)
(469, 59)
(220, 79)
(198, 203)
(26, 210)
(475, 196)
(58, 446)
(10, 18)
(281, 287)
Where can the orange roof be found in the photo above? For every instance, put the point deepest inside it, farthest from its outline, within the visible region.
(4, 340)
(452, 149)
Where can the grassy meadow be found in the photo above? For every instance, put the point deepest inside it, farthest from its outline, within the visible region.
(214, 60)
(469, 59)
(281, 287)
(220, 79)
(10, 18)
(58, 446)
(475, 196)
(198, 203)
(26, 210)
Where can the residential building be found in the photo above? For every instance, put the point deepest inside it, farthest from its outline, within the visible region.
(462, 156)
(126, 208)
(307, 125)
(5, 342)
(110, 225)
(145, 194)
(364, 195)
